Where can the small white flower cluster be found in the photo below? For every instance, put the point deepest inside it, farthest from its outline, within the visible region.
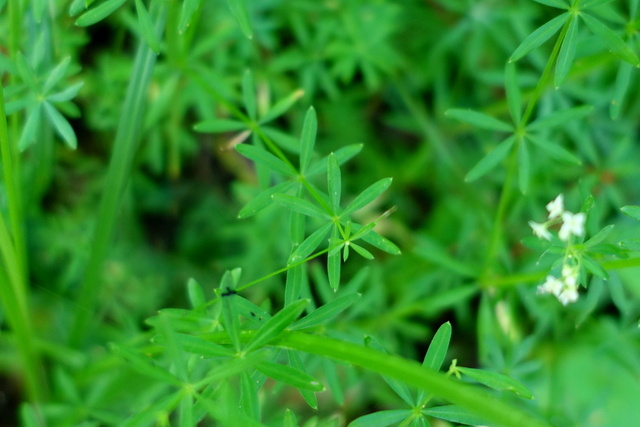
(564, 288)
(572, 224)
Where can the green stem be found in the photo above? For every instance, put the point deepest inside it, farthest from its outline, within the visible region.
(13, 290)
(125, 146)
(412, 373)
(496, 232)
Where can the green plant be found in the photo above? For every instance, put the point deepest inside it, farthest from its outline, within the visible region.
(247, 145)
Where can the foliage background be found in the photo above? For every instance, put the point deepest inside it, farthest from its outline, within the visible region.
(378, 73)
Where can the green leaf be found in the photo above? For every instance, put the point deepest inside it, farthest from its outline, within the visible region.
(620, 89)
(456, 414)
(31, 126)
(249, 396)
(309, 396)
(281, 106)
(201, 346)
(288, 375)
(308, 139)
(274, 326)
(299, 205)
(497, 381)
(186, 411)
(381, 418)
(227, 292)
(524, 167)
(219, 125)
(360, 250)
(263, 157)
(99, 12)
(632, 211)
(333, 264)
(367, 196)
(61, 125)
(616, 45)
(342, 155)
(400, 388)
(514, 96)
(558, 118)
(147, 27)
(150, 414)
(327, 312)
(188, 10)
(264, 199)
(334, 183)
(56, 75)
(554, 150)
(491, 160)
(239, 11)
(289, 419)
(310, 244)
(184, 320)
(599, 237)
(249, 94)
(144, 365)
(378, 241)
(480, 120)
(196, 294)
(539, 36)
(631, 244)
(567, 52)
(437, 350)
(553, 3)
(66, 94)
(594, 267)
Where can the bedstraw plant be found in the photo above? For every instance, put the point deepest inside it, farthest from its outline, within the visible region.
(293, 213)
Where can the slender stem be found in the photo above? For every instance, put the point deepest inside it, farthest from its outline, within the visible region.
(13, 291)
(125, 146)
(496, 232)
(488, 406)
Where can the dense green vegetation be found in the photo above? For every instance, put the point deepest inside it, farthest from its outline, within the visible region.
(319, 213)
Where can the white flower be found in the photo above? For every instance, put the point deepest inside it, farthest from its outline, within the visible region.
(552, 285)
(572, 224)
(556, 207)
(570, 275)
(568, 295)
(540, 230)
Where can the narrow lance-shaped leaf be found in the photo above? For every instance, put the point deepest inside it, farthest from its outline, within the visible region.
(599, 237)
(202, 347)
(514, 96)
(539, 36)
(456, 415)
(334, 264)
(567, 52)
(553, 3)
(61, 125)
(308, 139)
(559, 117)
(326, 313)
(497, 381)
(229, 312)
(367, 196)
(189, 8)
(310, 243)
(594, 267)
(524, 169)
(239, 11)
(614, 42)
(66, 94)
(274, 326)
(309, 396)
(196, 294)
(398, 387)
(263, 157)
(56, 75)
(288, 375)
(185, 409)
(299, 205)
(144, 365)
(249, 94)
(381, 418)
(491, 160)
(360, 250)
(150, 414)
(249, 396)
(620, 89)
(480, 120)
(99, 12)
(264, 199)
(281, 107)
(437, 351)
(334, 183)
(342, 155)
(554, 150)
(146, 26)
(632, 211)
(219, 125)
(378, 241)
